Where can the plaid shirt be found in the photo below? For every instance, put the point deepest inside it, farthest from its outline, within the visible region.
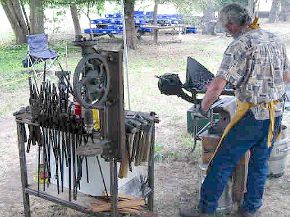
(255, 63)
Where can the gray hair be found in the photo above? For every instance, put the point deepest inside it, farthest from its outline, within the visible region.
(236, 14)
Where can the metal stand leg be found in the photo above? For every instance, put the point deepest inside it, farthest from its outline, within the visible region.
(114, 188)
(23, 169)
(151, 170)
(195, 129)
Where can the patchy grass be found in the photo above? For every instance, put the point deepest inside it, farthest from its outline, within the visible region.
(186, 140)
(13, 76)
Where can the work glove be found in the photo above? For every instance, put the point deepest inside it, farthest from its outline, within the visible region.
(200, 113)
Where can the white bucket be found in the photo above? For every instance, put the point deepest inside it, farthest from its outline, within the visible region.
(225, 203)
(278, 157)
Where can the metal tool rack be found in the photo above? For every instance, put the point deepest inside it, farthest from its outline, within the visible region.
(112, 143)
(27, 189)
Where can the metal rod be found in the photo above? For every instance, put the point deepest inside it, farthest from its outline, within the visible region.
(23, 169)
(71, 205)
(87, 169)
(38, 169)
(61, 141)
(102, 175)
(44, 159)
(125, 61)
(44, 72)
(74, 164)
(66, 54)
(69, 167)
(114, 187)
(194, 133)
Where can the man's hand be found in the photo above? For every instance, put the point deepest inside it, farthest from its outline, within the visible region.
(200, 113)
(213, 91)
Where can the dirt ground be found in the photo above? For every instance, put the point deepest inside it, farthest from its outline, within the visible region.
(177, 183)
(177, 177)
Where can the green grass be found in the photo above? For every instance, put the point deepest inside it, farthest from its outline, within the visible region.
(162, 155)
(11, 69)
(186, 140)
(10, 62)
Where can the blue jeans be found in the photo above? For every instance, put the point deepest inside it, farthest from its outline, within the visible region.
(247, 134)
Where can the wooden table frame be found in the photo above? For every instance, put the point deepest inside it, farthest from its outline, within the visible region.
(28, 190)
(156, 28)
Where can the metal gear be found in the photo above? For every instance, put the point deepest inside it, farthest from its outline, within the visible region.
(92, 81)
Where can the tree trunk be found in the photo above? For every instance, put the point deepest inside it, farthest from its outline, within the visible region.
(130, 24)
(155, 12)
(155, 31)
(274, 12)
(15, 16)
(25, 16)
(75, 18)
(208, 22)
(252, 7)
(36, 16)
(285, 10)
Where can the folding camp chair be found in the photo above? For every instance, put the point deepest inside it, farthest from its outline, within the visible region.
(38, 52)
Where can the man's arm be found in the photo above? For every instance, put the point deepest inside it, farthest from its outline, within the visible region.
(214, 90)
(286, 68)
(286, 78)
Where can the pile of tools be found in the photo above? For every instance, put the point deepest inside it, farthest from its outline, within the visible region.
(59, 129)
(139, 130)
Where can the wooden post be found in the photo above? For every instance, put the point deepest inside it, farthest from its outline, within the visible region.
(114, 188)
(155, 35)
(209, 143)
(240, 179)
(151, 170)
(23, 168)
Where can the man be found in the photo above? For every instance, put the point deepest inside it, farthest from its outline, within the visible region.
(256, 64)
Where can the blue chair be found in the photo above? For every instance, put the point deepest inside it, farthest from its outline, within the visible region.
(38, 51)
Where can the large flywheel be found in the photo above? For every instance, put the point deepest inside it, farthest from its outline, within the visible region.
(92, 81)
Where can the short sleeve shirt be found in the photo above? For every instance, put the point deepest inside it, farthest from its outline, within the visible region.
(255, 63)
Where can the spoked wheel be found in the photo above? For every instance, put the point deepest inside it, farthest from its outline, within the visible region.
(91, 81)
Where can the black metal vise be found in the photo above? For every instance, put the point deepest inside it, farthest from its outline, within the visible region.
(197, 79)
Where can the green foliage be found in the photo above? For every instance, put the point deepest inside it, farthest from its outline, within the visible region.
(224, 2)
(59, 14)
(190, 8)
(77, 2)
(97, 5)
